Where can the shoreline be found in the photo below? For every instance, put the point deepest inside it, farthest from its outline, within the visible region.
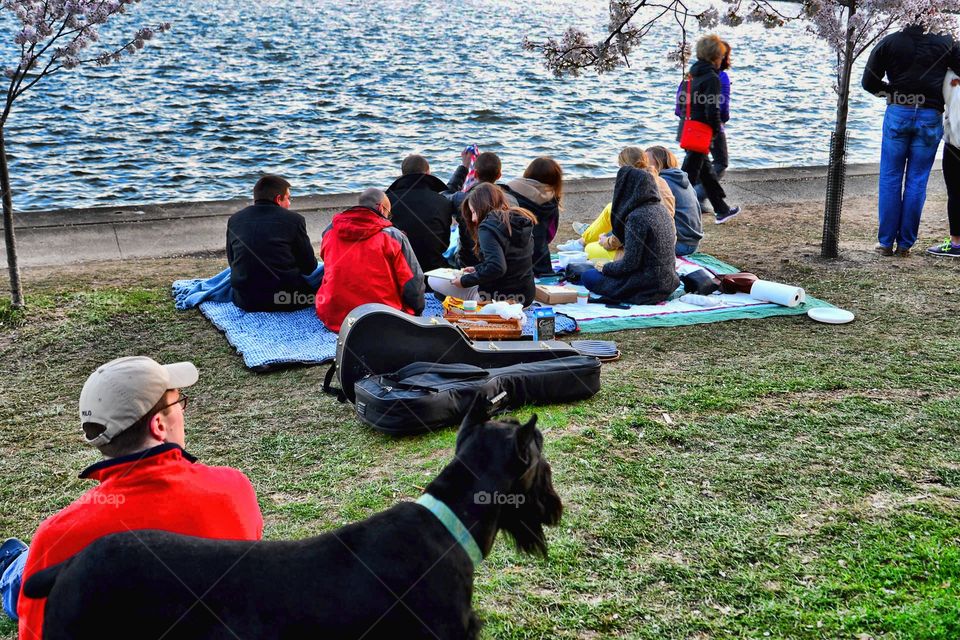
(70, 236)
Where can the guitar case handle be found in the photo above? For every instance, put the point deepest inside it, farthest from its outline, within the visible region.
(328, 384)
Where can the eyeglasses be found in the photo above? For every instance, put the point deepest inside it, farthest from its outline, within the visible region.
(182, 400)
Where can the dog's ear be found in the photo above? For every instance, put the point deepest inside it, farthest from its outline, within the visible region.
(477, 414)
(526, 435)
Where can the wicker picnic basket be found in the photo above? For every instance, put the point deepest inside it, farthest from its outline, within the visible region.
(480, 326)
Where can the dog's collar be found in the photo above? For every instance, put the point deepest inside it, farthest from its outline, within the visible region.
(453, 524)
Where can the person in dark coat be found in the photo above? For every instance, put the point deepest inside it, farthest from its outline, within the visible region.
(505, 245)
(487, 168)
(706, 98)
(915, 64)
(646, 274)
(420, 211)
(269, 252)
(540, 191)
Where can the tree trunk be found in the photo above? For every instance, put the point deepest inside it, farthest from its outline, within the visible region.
(16, 289)
(837, 170)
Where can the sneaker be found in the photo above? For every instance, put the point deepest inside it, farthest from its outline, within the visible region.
(580, 227)
(883, 250)
(946, 250)
(733, 213)
(10, 550)
(903, 253)
(573, 245)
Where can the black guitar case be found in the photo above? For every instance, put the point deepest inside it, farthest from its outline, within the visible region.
(425, 396)
(377, 339)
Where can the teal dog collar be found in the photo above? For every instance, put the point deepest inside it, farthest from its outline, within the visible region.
(453, 524)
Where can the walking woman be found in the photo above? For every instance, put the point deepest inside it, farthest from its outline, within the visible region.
(504, 243)
(702, 97)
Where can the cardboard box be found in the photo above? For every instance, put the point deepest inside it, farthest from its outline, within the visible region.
(555, 294)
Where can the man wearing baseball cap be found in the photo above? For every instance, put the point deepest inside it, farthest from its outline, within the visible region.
(131, 409)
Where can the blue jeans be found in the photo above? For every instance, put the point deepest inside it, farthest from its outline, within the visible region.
(911, 137)
(10, 585)
(686, 249)
(591, 279)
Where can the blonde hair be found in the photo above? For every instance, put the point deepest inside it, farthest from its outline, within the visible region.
(711, 48)
(663, 158)
(633, 157)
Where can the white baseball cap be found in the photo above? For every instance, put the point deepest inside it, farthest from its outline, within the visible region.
(124, 390)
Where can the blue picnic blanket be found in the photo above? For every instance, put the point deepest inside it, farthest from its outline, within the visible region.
(269, 340)
(188, 294)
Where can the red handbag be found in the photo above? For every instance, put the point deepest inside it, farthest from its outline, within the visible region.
(696, 136)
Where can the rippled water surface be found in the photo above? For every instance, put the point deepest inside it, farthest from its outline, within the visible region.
(334, 94)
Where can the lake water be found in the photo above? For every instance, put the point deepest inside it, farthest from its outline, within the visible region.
(333, 95)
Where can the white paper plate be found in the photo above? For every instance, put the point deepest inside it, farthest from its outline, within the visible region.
(830, 315)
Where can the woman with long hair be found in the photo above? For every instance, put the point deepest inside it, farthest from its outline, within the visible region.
(504, 244)
(687, 213)
(540, 191)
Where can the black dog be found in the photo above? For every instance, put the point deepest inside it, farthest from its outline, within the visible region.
(398, 574)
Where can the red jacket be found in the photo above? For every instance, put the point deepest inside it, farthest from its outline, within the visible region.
(161, 488)
(366, 259)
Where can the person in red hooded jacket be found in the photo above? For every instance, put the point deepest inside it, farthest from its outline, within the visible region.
(367, 259)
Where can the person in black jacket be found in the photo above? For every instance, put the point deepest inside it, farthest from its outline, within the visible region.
(487, 168)
(915, 64)
(540, 191)
(505, 245)
(269, 252)
(420, 211)
(706, 99)
(646, 274)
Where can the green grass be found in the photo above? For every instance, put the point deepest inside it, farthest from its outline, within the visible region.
(751, 479)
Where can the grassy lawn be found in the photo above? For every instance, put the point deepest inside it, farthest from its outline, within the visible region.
(748, 479)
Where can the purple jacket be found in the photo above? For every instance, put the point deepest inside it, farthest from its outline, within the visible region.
(681, 111)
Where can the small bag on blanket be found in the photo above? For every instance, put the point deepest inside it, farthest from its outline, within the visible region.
(425, 396)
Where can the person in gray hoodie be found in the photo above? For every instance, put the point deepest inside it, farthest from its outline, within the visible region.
(688, 212)
(646, 274)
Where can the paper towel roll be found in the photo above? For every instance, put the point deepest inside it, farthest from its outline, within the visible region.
(782, 294)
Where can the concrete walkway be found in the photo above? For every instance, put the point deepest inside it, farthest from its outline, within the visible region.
(122, 233)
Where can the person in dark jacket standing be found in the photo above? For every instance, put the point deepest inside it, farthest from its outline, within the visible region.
(420, 211)
(540, 191)
(366, 259)
(504, 242)
(950, 248)
(487, 169)
(269, 252)
(914, 63)
(647, 272)
(706, 99)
